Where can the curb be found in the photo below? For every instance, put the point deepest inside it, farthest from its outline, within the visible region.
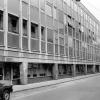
(19, 88)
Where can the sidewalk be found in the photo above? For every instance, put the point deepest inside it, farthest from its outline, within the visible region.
(18, 88)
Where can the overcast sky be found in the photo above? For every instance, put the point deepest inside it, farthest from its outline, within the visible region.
(93, 6)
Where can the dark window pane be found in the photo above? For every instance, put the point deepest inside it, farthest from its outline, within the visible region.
(70, 30)
(13, 23)
(34, 30)
(1, 20)
(56, 49)
(1, 38)
(25, 27)
(42, 33)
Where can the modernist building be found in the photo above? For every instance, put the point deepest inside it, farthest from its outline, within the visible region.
(43, 40)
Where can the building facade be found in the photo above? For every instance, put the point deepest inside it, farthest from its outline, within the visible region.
(43, 40)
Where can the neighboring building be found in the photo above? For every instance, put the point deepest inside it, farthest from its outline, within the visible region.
(42, 40)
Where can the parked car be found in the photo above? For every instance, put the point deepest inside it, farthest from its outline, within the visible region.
(5, 90)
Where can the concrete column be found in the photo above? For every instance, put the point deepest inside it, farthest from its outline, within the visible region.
(55, 71)
(74, 70)
(99, 68)
(85, 71)
(23, 72)
(94, 68)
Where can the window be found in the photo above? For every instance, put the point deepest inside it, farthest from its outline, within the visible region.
(60, 16)
(42, 4)
(55, 13)
(48, 10)
(65, 19)
(56, 36)
(25, 9)
(68, 2)
(49, 35)
(24, 27)
(50, 46)
(61, 41)
(35, 2)
(60, 3)
(1, 20)
(43, 42)
(13, 23)
(70, 30)
(42, 33)
(34, 30)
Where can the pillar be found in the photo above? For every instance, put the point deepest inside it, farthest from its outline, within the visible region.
(74, 70)
(85, 71)
(23, 72)
(55, 71)
(94, 68)
(99, 68)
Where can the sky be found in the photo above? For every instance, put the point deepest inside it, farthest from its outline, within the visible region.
(93, 6)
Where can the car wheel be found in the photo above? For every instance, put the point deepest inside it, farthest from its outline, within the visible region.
(6, 95)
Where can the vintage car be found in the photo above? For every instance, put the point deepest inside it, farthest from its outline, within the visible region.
(5, 90)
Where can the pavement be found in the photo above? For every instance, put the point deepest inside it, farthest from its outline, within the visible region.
(19, 88)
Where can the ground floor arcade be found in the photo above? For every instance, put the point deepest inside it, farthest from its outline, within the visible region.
(25, 73)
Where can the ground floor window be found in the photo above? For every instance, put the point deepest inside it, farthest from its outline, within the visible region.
(65, 69)
(39, 70)
(7, 72)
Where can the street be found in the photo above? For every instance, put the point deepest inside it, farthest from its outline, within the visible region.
(84, 89)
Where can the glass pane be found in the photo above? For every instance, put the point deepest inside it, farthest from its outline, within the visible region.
(13, 41)
(2, 3)
(48, 10)
(61, 28)
(34, 14)
(60, 4)
(1, 19)
(35, 2)
(1, 38)
(13, 23)
(42, 4)
(61, 41)
(50, 48)
(62, 50)
(42, 33)
(70, 30)
(55, 13)
(49, 35)
(24, 9)
(25, 33)
(56, 49)
(34, 45)
(34, 30)
(60, 16)
(25, 43)
(43, 47)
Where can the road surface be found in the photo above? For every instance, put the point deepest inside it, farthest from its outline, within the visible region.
(84, 89)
